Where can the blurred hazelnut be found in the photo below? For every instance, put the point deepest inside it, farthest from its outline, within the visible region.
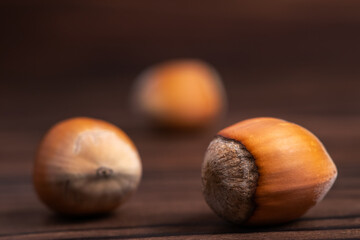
(180, 94)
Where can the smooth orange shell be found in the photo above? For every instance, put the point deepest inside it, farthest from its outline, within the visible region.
(180, 93)
(73, 150)
(295, 170)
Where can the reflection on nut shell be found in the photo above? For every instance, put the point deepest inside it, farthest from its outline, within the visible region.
(180, 94)
(86, 166)
(265, 171)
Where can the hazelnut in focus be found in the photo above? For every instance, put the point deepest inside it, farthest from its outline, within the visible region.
(180, 94)
(265, 171)
(86, 166)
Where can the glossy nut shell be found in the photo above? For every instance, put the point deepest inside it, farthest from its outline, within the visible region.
(292, 172)
(86, 166)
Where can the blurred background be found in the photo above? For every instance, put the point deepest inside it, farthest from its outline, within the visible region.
(77, 54)
(297, 60)
(284, 50)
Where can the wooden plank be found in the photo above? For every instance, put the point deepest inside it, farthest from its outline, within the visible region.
(162, 202)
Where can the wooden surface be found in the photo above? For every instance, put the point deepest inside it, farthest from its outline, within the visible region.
(59, 61)
(169, 203)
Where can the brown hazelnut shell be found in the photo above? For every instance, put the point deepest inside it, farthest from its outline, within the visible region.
(85, 166)
(293, 172)
(180, 94)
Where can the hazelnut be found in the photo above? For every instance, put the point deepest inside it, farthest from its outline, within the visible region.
(86, 166)
(265, 171)
(180, 94)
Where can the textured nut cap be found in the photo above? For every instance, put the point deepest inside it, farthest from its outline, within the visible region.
(229, 177)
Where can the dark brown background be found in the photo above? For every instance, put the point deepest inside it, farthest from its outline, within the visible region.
(297, 60)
